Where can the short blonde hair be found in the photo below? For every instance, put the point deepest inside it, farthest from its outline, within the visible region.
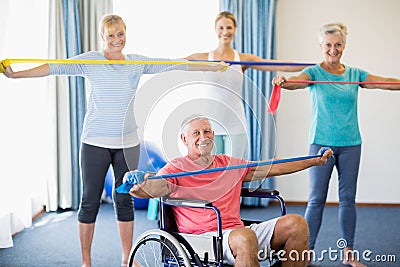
(109, 20)
(337, 28)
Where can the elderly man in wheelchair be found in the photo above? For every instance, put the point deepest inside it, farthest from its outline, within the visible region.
(240, 245)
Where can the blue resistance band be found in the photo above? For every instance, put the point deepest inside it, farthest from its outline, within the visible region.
(257, 63)
(137, 177)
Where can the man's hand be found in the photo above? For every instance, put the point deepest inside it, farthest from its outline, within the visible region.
(138, 179)
(141, 187)
(326, 154)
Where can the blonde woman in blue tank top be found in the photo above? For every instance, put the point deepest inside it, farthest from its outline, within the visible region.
(226, 108)
(334, 123)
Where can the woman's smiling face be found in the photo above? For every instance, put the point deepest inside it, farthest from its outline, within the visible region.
(114, 37)
(332, 48)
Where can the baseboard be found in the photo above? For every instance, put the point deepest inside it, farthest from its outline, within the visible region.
(40, 212)
(34, 217)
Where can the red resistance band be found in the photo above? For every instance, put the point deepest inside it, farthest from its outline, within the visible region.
(276, 92)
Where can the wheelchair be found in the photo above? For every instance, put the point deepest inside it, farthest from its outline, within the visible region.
(167, 247)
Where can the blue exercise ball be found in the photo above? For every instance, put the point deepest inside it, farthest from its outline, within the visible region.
(150, 159)
(108, 183)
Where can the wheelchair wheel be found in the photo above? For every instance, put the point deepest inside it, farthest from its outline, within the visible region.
(158, 248)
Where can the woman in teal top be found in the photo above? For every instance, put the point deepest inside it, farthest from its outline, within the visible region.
(332, 103)
(334, 123)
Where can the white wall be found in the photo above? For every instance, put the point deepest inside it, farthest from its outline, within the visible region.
(171, 29)
(372, 45)
(175, 29)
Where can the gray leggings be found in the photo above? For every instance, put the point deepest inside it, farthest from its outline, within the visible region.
(95, 162)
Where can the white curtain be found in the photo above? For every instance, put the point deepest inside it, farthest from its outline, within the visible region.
(63, 189)
(91, 11)
(24, 122)
(59, 184)
(5, 215)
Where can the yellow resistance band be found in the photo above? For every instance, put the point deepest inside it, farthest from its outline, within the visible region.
(7, 62)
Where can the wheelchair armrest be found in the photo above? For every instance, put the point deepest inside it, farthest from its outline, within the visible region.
(259, 192)
(188, 202)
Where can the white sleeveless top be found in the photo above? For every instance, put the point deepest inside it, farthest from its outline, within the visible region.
(225, 94)
(166, 99)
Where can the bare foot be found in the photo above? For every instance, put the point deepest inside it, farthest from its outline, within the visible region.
(349, 258)
(353, 263)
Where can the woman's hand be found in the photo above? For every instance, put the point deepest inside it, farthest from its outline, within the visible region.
(279, 80)
(8, 72)
(207, 66)
(221, 66)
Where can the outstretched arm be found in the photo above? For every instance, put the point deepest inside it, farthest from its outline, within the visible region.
(265, 171)
(40, 71)
(281, 80)
(254, 58)
(207, 66)
(218, 66)
(376, 79)
(197, 56)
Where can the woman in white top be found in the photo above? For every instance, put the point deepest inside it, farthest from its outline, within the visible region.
(226, 88)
